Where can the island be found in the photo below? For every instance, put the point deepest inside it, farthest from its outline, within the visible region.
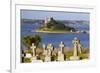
(51, 25)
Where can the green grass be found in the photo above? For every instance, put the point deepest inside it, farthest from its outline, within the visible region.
(82, 55)
(51, 29)
(28, 51)
(27, 60)
(68, 54)
(42, 57)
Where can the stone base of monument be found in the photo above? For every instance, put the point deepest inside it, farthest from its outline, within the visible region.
(47, 59)
(66, 59)
(74, 58)
(37, 61)
(61, 57)
(34, 58)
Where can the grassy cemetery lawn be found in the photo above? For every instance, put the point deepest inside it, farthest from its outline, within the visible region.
(68, 54)
(27, 60)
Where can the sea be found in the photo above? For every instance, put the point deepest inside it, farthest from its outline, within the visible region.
(56, 38)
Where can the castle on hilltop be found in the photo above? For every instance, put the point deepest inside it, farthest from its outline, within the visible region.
(48, 20)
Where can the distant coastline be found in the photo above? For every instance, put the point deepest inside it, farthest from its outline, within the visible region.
(64, 21)
(76, 32)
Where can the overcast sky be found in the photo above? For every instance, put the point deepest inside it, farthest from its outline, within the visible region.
(32, 14)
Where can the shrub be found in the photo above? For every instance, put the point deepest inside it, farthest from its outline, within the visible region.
(27, 60)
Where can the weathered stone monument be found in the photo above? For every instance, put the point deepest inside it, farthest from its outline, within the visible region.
(61, 52)
(48, 52)
(33, 47)
(60, 56)
(49, 49)
(61, 45)
(47, 58)
(76, 43)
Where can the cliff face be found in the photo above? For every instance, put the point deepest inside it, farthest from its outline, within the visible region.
(56, 25)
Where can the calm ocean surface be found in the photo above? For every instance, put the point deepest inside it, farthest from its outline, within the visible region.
(56, 38)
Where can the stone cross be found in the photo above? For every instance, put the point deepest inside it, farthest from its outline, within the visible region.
(75, 43)
(61, 45)
(75, 51)
(33, 47)
(49, 48)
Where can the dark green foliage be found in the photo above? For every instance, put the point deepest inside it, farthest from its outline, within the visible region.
(51, 23)
(57, 25)
(28, 40)
(27, 60)
(37, 40)
(53, 57)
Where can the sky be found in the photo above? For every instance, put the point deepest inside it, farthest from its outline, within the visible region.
(33, 14)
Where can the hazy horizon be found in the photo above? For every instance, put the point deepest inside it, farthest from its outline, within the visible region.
(37, 14)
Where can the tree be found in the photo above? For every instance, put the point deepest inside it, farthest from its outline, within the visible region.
(36, 40)
(28, 40)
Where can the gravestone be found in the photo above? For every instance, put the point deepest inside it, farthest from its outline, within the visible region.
(60, 56)
(61, 45)
(49, 49)
(75, 49)
(34, 58)
(47, 58)
(47, 53)
(33, 47)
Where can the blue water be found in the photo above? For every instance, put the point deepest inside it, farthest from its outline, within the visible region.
(56, 38)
